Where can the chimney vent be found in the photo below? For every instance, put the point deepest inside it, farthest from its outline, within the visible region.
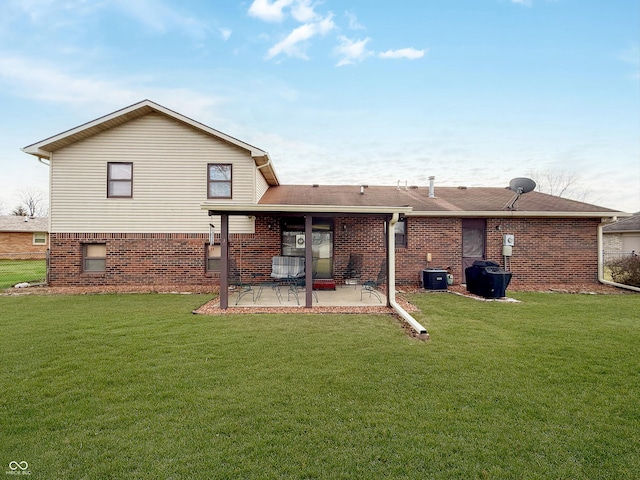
(432, 191)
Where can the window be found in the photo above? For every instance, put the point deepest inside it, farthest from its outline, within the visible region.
(39, 238)
(219, 181)
(119, 180)
(94, 257)
(400, 231)
(213, 257)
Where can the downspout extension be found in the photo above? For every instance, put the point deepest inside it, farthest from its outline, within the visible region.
(601, 264)
(391, 284)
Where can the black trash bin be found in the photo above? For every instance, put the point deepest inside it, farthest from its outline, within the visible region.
(487, 279)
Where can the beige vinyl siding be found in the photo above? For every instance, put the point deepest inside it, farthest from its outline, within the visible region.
(261, 185)
(169, 180)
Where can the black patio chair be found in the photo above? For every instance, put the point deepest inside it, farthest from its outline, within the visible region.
(353, 271)
(297, 285)
(371, 286)
(235, 280)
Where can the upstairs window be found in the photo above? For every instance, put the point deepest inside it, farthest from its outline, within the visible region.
(119, 180)
(219, 180)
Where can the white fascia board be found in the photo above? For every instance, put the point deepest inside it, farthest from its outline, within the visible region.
(38, 152)
(518, 214)
(263, 208)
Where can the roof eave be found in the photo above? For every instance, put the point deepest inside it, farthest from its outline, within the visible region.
(240, 209)
(517, 214)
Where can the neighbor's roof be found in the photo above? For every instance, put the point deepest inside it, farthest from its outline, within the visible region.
(631, 224)
(43, 148)
(448, 201)
(12, 223)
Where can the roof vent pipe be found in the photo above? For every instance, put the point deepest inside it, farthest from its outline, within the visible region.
(361, 189)
(432, 192)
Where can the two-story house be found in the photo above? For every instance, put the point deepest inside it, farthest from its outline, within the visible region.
(145, 195)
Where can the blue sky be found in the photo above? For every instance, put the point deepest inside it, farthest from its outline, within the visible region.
(475, 92)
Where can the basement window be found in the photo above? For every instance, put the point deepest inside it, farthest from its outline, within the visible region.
(94, 257)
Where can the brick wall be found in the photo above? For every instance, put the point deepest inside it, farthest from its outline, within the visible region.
(20, 242)
(546, 251)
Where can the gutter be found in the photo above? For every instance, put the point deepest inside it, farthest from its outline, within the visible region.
(391, 283)
(254, 208)
(601, 264)
(512, 214)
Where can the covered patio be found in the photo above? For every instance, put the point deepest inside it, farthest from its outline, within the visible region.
(267, 292)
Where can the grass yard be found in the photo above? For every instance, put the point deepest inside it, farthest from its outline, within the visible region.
(18, 271)
(135, 386)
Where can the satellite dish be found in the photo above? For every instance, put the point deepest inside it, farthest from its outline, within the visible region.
(522, 185)
(519, 185)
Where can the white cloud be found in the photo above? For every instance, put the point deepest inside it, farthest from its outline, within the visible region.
(353, 21)
(526, 3)
(162, 18)
(269, 11)
(226, 33)
(293, 45)
(31, 79)
(408, 53)
(352, 51)
(303, 11)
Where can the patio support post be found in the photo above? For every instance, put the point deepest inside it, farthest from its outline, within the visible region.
(224, 261)
(308, 260)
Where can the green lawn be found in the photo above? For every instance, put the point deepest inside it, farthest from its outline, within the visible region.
(18, 271)
(135, 386)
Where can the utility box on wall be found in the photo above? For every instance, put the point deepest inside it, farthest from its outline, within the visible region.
(434, 279)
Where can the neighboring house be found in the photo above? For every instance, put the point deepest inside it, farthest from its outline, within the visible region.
(622, 237)
(23, 237)
(133, 195)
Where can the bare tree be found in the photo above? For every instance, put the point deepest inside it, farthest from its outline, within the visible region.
(20, 211)
(33, 204)
(559, 183)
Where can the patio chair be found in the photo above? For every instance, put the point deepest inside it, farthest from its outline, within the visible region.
(353, 271)
(235, 280)
(297, 285)
(371, 286)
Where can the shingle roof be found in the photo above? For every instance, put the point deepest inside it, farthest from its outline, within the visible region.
(447, 199)
(12, 223)
(631, 224)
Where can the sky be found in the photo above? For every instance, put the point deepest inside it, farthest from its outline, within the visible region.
(473, 92)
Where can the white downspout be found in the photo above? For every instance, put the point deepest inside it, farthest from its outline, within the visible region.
(391, 283)
(601, 264)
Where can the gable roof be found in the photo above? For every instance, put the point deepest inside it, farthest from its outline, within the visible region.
(631, 224)
(448, 201)
(13, 223)
(44, 148)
